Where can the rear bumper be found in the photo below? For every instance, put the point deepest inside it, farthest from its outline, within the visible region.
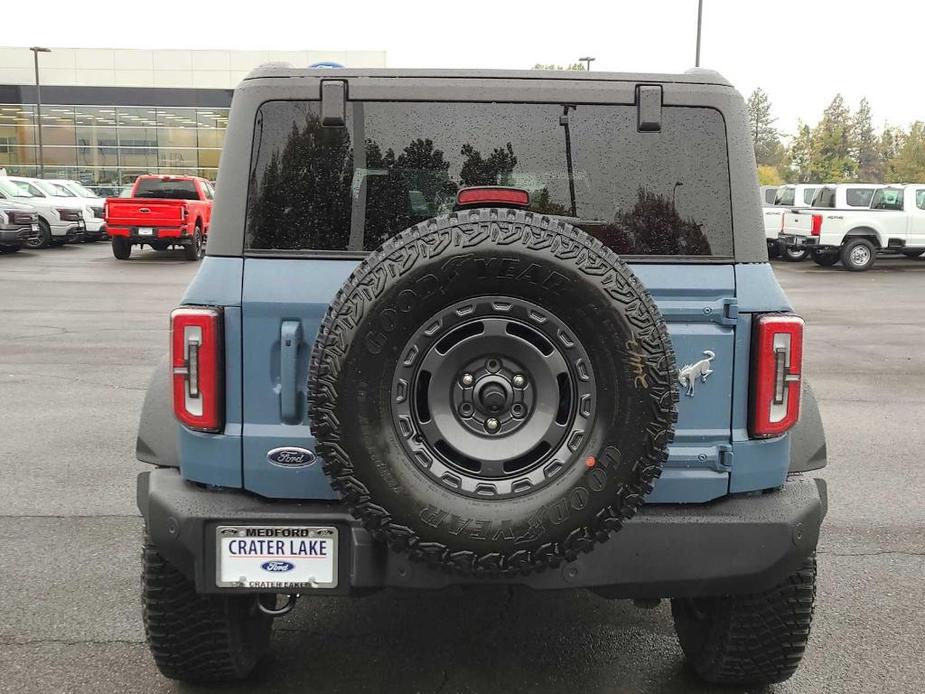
(132, 233)
(792, 241)
(738, 544)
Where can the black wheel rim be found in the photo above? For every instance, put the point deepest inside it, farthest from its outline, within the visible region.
(492, 397)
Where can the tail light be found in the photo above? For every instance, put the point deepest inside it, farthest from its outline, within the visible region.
(493, 195)
(184, 213)
(196, 348)
(777, 369)
(816, 227)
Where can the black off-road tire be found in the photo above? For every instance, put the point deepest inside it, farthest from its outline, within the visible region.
(825, 259)
(913, 254)
(858, 255)
(121, 248)
(196, 248)
(194, 637)
(749, 639)
(461, 264)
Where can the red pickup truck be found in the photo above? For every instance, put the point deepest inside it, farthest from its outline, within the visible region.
(163, 211)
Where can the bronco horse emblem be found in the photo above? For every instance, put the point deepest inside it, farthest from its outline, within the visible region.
(688, 375)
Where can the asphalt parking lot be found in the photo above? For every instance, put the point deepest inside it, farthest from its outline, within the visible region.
(79, 335)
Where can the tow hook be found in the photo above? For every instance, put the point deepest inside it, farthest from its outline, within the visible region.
(275, 611)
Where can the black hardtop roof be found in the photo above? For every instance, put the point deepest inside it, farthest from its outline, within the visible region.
(692, 76)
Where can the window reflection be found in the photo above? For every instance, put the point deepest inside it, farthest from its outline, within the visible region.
(112, 145)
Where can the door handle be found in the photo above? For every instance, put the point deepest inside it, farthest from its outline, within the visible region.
(290, 337)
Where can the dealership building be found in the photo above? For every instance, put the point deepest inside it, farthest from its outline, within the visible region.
(108, 115)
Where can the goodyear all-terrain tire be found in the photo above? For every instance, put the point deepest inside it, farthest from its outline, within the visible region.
(493, 392)
(194, 637)
(749, 639)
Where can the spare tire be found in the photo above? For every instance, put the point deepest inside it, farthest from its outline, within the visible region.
(492, 392)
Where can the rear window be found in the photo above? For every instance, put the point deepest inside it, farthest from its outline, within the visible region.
(785, 196)
(825, 197)
(166, 188)
(769, 195)
(313, 189)
(858, 197)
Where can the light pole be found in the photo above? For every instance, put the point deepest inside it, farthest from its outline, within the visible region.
(699, 19)
(38, 105)
(587, 61)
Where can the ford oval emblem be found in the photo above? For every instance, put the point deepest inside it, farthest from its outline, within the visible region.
(290, 456)
(277, 566)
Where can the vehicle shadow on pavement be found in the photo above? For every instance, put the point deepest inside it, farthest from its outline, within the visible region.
(476, 640)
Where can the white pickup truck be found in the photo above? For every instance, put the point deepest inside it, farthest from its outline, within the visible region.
(895, 222)
(787, 197)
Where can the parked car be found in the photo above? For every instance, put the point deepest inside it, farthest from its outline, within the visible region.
(60, 220)
(413, 373)
(895, 223)
(787, 197)
(18, 225)
(162, 212)
(96, 227)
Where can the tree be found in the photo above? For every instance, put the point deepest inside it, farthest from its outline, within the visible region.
(908, 166)
(800, 155)
(574, 67)
(891, 141)
(765, 138)
(831, 158)
(496, 170)
(769, 175)
(866, 146)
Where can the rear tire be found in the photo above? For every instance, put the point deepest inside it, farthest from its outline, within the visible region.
(824, 259)
(749, 639)
(858, 255)
(913, 254)
(196, 249)
(793, 255)
(194, 637)
(121, 248)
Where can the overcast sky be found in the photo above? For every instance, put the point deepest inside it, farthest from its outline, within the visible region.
(801, 52)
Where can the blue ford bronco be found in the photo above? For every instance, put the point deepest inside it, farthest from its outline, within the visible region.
(461, 328)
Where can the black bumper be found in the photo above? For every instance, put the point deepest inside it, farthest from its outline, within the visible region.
(788, 241)
(16, 235)
(736, 545)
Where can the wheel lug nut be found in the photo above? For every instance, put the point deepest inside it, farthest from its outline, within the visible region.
(467, 379)
(492, 424)
(519, 381)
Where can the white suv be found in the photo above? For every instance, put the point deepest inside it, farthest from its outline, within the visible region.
(60, 219)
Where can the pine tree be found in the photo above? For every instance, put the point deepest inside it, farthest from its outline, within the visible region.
(866, 144)
(800, 154)
(831, 160)
(765, 138)
(908, 166)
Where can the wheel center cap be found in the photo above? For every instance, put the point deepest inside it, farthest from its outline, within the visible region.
(493, 397)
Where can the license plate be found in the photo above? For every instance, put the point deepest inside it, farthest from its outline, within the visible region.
(145, 231)
(35, 227)
(276, 557)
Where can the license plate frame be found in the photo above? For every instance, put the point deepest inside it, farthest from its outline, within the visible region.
(250, 571)
(146, 231)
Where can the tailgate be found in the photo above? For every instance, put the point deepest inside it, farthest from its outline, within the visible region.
(797, 223)
(144, 212)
